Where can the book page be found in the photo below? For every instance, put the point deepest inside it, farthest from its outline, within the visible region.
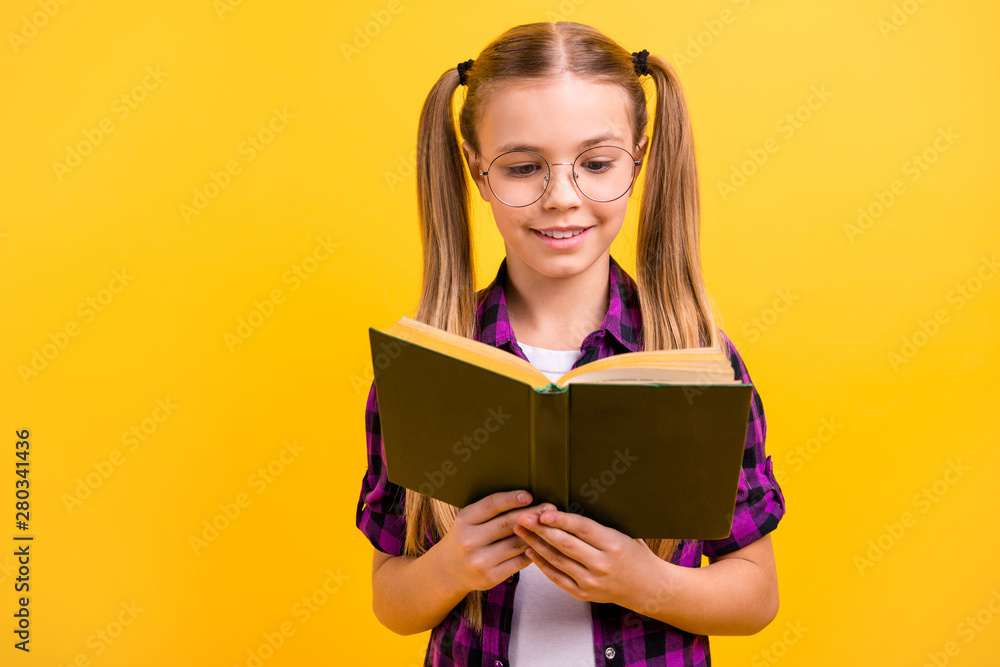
(681, 366)
(467, 350)
(686, 375)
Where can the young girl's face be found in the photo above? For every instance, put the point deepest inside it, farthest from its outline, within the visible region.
(558, 120)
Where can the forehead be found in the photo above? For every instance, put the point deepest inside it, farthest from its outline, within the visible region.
(554, 116)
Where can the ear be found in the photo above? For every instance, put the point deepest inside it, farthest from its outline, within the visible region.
(470, 159)
(642, 146)
(640, 154)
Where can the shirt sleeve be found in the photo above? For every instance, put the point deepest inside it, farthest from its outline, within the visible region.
(759, 501)
(381, 505)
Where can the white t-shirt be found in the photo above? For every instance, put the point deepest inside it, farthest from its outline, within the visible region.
(550, 627)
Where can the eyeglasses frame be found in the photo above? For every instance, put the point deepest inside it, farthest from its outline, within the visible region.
(548, 165)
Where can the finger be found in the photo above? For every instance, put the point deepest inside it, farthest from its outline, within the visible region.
(586, 529)
(557, 532)
(483, 510)
(508, 567)
(552, 554)
(501, 550)
(583, 527)
(555, 575)
(502, 525)
(495, 562)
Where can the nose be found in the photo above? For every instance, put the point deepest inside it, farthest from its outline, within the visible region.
(561, 191)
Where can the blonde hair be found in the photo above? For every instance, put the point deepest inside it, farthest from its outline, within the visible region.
(676, 308)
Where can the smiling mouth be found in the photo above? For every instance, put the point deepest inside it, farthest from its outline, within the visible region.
(562, 234)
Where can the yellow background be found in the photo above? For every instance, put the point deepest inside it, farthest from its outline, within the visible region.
(339, 172)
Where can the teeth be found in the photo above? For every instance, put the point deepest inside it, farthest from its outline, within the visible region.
(562, 235)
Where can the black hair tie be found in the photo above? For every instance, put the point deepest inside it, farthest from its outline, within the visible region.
(462, 69)
(639, 62)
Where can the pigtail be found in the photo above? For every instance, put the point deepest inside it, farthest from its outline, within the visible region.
(676, 309)
(448, 296)
(674, 301)
(447, 300)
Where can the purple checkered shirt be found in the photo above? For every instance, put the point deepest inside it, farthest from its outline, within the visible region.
(621, 636)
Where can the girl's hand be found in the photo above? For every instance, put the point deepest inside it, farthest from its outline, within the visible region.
(480, 550)
(588, 560)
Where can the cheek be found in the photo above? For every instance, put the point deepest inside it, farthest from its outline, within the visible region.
(510, 218)
(612, 212)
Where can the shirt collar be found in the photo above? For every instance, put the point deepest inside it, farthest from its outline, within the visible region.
(623, 320)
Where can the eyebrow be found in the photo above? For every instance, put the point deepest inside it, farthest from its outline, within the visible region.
(594, 141)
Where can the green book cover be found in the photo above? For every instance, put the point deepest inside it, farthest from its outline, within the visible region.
(653, 460)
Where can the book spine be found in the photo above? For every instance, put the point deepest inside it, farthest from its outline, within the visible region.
(549, 448)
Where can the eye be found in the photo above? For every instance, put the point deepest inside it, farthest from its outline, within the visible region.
(597, 165)
(519, 165)
(522, 170)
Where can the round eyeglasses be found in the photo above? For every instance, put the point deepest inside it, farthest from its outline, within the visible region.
(602, 174)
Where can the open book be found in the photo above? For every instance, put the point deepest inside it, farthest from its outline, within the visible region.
(649, 443)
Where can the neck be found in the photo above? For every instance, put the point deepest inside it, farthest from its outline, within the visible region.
(556, 312)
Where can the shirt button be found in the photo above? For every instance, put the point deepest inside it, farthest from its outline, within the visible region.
(609, 652)
(498, 663)
(510, 579)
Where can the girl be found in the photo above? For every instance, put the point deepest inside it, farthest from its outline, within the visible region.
(553, 133)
